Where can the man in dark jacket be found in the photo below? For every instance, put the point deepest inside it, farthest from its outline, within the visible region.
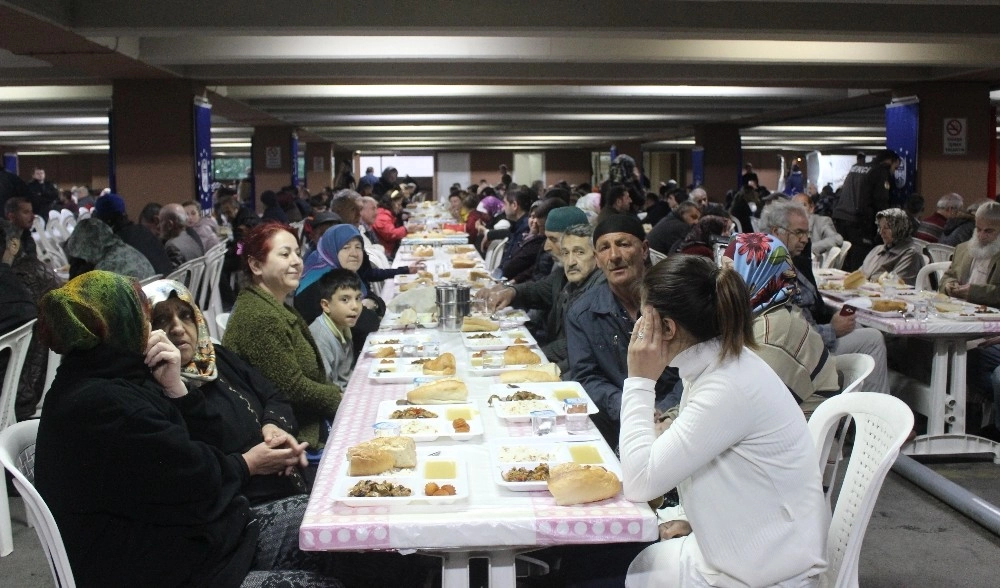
(674, 227)
(559, 290)
(599, 324)
(44, 194)
(110, 208)
(865, 192)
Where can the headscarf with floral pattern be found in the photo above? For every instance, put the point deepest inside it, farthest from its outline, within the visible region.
(202, 365)
(765, 265)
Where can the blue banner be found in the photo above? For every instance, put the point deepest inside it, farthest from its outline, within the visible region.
(293, 154)
(697, 166)
(902, 128)
(10, 162)
(203, 153)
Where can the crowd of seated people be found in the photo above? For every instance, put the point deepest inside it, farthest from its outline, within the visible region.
(649, 342)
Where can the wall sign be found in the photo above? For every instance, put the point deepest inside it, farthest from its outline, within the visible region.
(956, 134)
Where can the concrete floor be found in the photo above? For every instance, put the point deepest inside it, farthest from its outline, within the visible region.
(913, 540)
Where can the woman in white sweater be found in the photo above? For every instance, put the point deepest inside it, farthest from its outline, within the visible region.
(752, 509)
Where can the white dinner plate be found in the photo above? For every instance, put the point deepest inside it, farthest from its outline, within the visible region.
(429, 429)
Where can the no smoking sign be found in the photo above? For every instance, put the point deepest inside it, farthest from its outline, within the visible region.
(955, 136)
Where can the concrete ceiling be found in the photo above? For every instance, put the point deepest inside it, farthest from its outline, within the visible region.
(393, 75)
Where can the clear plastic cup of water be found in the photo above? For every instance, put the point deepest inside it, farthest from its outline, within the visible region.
(386, 429)
(921, 309)
(543, 422)
(577, 420)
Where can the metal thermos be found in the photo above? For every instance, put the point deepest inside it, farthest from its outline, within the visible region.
(453, 302)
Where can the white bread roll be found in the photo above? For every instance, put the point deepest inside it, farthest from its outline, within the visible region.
(520, 355)
(854, 279)
(472, 324)
(442, 365)
(572, 483)
(548, 372)
(443, 391)
(402, 448)
(368, 461)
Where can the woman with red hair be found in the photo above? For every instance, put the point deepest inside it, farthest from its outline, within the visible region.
(272, 336)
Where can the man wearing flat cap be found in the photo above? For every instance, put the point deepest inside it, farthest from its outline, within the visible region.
(599, 325)
(568, 237)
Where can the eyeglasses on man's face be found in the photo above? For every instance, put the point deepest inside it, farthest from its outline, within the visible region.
(798, 234)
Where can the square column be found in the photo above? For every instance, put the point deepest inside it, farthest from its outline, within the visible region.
(723, 158)
(319, 171)
(153, 141)
(272, 157)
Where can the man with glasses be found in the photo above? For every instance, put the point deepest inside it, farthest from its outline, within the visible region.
(789, 222)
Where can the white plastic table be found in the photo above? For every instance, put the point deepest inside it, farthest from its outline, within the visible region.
(945, 405)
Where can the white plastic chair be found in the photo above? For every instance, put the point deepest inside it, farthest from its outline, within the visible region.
(838, 262)
(208, 297)
(50, 374)
(656, 257)
(852, 369)
(221, 320)
(939, 251)
(494, 254)
(190, 274)
(938, 268)
(883, 423)
(829, 257)
(17, 454)
(17, 341)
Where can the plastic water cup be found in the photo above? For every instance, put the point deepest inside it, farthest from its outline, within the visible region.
(577, 420)
(543, 422)
(409, 348)
(386, 429)
(922, 309)
(493, 360)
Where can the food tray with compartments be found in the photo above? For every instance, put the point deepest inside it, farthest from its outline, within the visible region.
(428, 429)
(508, 454)
(553, 394)
(497, 340)
(398, 370)
(444, 468)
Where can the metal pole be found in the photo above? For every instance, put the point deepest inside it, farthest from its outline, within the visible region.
(965, 502)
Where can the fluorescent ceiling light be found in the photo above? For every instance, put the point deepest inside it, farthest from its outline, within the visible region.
(506, 90)
(54, 93)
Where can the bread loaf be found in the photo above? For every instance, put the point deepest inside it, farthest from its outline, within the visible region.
(443, 391)
(471, 324)
(572, 483)
(854, 279)
(548, 372)
(520, 355)
(423, 251)
(459, 262)
(368, 461)
(888, 306)
(402, 448)
(442, 365)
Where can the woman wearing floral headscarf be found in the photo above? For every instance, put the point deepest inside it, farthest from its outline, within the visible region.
(139, 498)
(786, 341)
(899, 253)
(250, 409)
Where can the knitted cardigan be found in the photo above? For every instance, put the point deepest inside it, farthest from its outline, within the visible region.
(273, 338)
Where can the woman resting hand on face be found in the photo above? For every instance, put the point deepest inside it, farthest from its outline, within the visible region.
(752, 510)
(253, 418)
(139, 497)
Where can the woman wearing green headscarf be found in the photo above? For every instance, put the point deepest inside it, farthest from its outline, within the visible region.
(139, 500)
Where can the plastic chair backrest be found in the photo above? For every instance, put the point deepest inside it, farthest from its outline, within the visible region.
(209, 299)
(939, 251)
(17, 341)
(883, 423)
(50, 374)
(656, 257)
(853, 368)
(838, 262)
(221, 320)
(829, 257)
(938, 268)
(17, 454)
(495, 254)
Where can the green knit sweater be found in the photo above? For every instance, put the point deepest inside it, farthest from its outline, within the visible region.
(273, 338)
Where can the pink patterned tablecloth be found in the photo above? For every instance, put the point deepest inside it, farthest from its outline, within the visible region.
(491, 517)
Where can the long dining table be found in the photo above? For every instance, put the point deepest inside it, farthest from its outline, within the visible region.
(489, 521)
(943, 402)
